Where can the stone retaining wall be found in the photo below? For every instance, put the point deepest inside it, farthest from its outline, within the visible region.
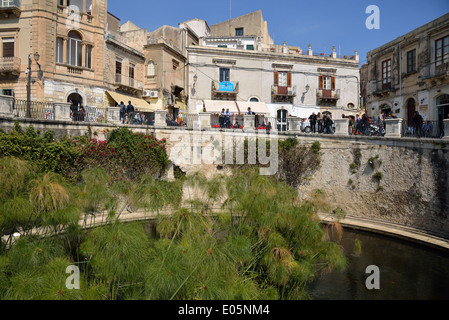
(413, 174)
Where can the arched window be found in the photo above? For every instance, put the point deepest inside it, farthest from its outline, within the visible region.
(74, 52)
(351, 106)
(254, 100)
(151, 72)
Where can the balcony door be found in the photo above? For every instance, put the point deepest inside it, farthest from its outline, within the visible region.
(327, 85)
(225, 75)
(282, 80)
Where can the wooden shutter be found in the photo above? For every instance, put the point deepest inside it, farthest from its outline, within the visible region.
(321, 82)
(289, 79)
(276, 78)
(333, 83)
(8, 49)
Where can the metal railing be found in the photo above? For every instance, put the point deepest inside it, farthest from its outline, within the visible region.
(38, 110)
(429, 129)
(121, 79)
(232, 87)
(223, 122)
(328, 94)
(94, 114)
(283, 91)
(189, 120)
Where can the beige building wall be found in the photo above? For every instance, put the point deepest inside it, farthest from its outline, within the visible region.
(411, 89)
(253, 72)
(37, 27)
(253, 24)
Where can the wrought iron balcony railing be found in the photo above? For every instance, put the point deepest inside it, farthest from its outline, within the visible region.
(328, 94)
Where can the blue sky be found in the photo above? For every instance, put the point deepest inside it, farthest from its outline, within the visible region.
(322, 23)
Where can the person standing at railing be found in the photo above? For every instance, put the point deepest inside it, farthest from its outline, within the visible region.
(313, 120)
(122, 111)
(82, 113)
(221, 118)
(319, 121)
(228, 115)
(130, 112)
(418, 124)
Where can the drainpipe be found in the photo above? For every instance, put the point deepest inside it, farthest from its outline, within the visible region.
(400, 75)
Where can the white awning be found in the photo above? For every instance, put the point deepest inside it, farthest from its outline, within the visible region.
(218, 105)
(138, 103)
(256, 107)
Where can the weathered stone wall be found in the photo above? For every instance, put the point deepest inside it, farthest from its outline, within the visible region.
(413, 185)
(413, 189)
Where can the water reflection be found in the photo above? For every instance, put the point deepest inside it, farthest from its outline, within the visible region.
(408, 271)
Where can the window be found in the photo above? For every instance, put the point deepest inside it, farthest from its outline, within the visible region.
(88, 56)
(282, 79)
(326, 83)
(118, 66)
(8, 47)
(411, 61)
(282, 82)
(150, 69)
(222, 46)
(386, 74)
(239, 32)
(7, 92)
(131, 71)
(225, 74)
(249, 47)
(74, 53)
(442, 51)
(59, 50)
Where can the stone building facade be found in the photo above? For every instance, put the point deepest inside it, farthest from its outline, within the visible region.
(70, 42)
(411, 73)
(279, 80)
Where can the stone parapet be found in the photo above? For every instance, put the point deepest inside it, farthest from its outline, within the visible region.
(393, 128)
(160, 118)
(249, 122)
(6, 106)
(205, 120)
(62, 111)
(342, 127)
(446, 129)
(294, 124)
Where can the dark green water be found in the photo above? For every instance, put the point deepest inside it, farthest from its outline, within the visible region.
(408, 271)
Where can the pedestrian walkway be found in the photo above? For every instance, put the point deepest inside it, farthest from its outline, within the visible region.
(390, 229)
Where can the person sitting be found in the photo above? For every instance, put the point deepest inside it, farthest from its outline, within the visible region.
(428, 128)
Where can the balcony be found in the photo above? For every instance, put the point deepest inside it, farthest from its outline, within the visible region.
(442, 68)
(128, 84)
(327, 97)
(10, 65)
(8, 7)
(225, 90)
(323, 94)
(283, 91)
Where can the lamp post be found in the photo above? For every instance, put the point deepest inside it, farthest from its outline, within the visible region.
(28, 72)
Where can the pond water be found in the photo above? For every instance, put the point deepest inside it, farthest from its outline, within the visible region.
(408, 271)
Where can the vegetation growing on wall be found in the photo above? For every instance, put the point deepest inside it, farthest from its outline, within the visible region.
(262, 243)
